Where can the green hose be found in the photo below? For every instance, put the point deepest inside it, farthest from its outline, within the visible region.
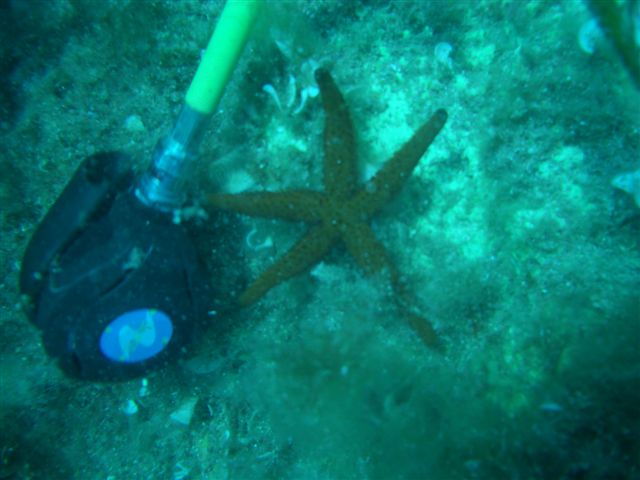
(222, 53)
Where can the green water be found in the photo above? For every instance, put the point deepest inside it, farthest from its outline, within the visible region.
(509, 235)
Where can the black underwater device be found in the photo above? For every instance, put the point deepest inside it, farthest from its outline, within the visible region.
(114, 285)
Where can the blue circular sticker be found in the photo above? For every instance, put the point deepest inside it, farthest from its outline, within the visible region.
(136, 335)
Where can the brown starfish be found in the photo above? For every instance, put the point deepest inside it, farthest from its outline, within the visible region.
(341, 213)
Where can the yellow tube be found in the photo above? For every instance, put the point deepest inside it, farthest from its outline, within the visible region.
(220, 58)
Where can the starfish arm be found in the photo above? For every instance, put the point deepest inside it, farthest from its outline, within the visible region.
(297, 205)
(369, 253)
(423, 328)
(340, 162)
(308, 251)
(390, 178)
(372, 257)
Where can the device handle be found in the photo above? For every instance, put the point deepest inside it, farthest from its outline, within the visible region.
(162, 186)
(222, 54)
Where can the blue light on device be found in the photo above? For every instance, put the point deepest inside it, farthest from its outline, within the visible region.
(136, 335)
